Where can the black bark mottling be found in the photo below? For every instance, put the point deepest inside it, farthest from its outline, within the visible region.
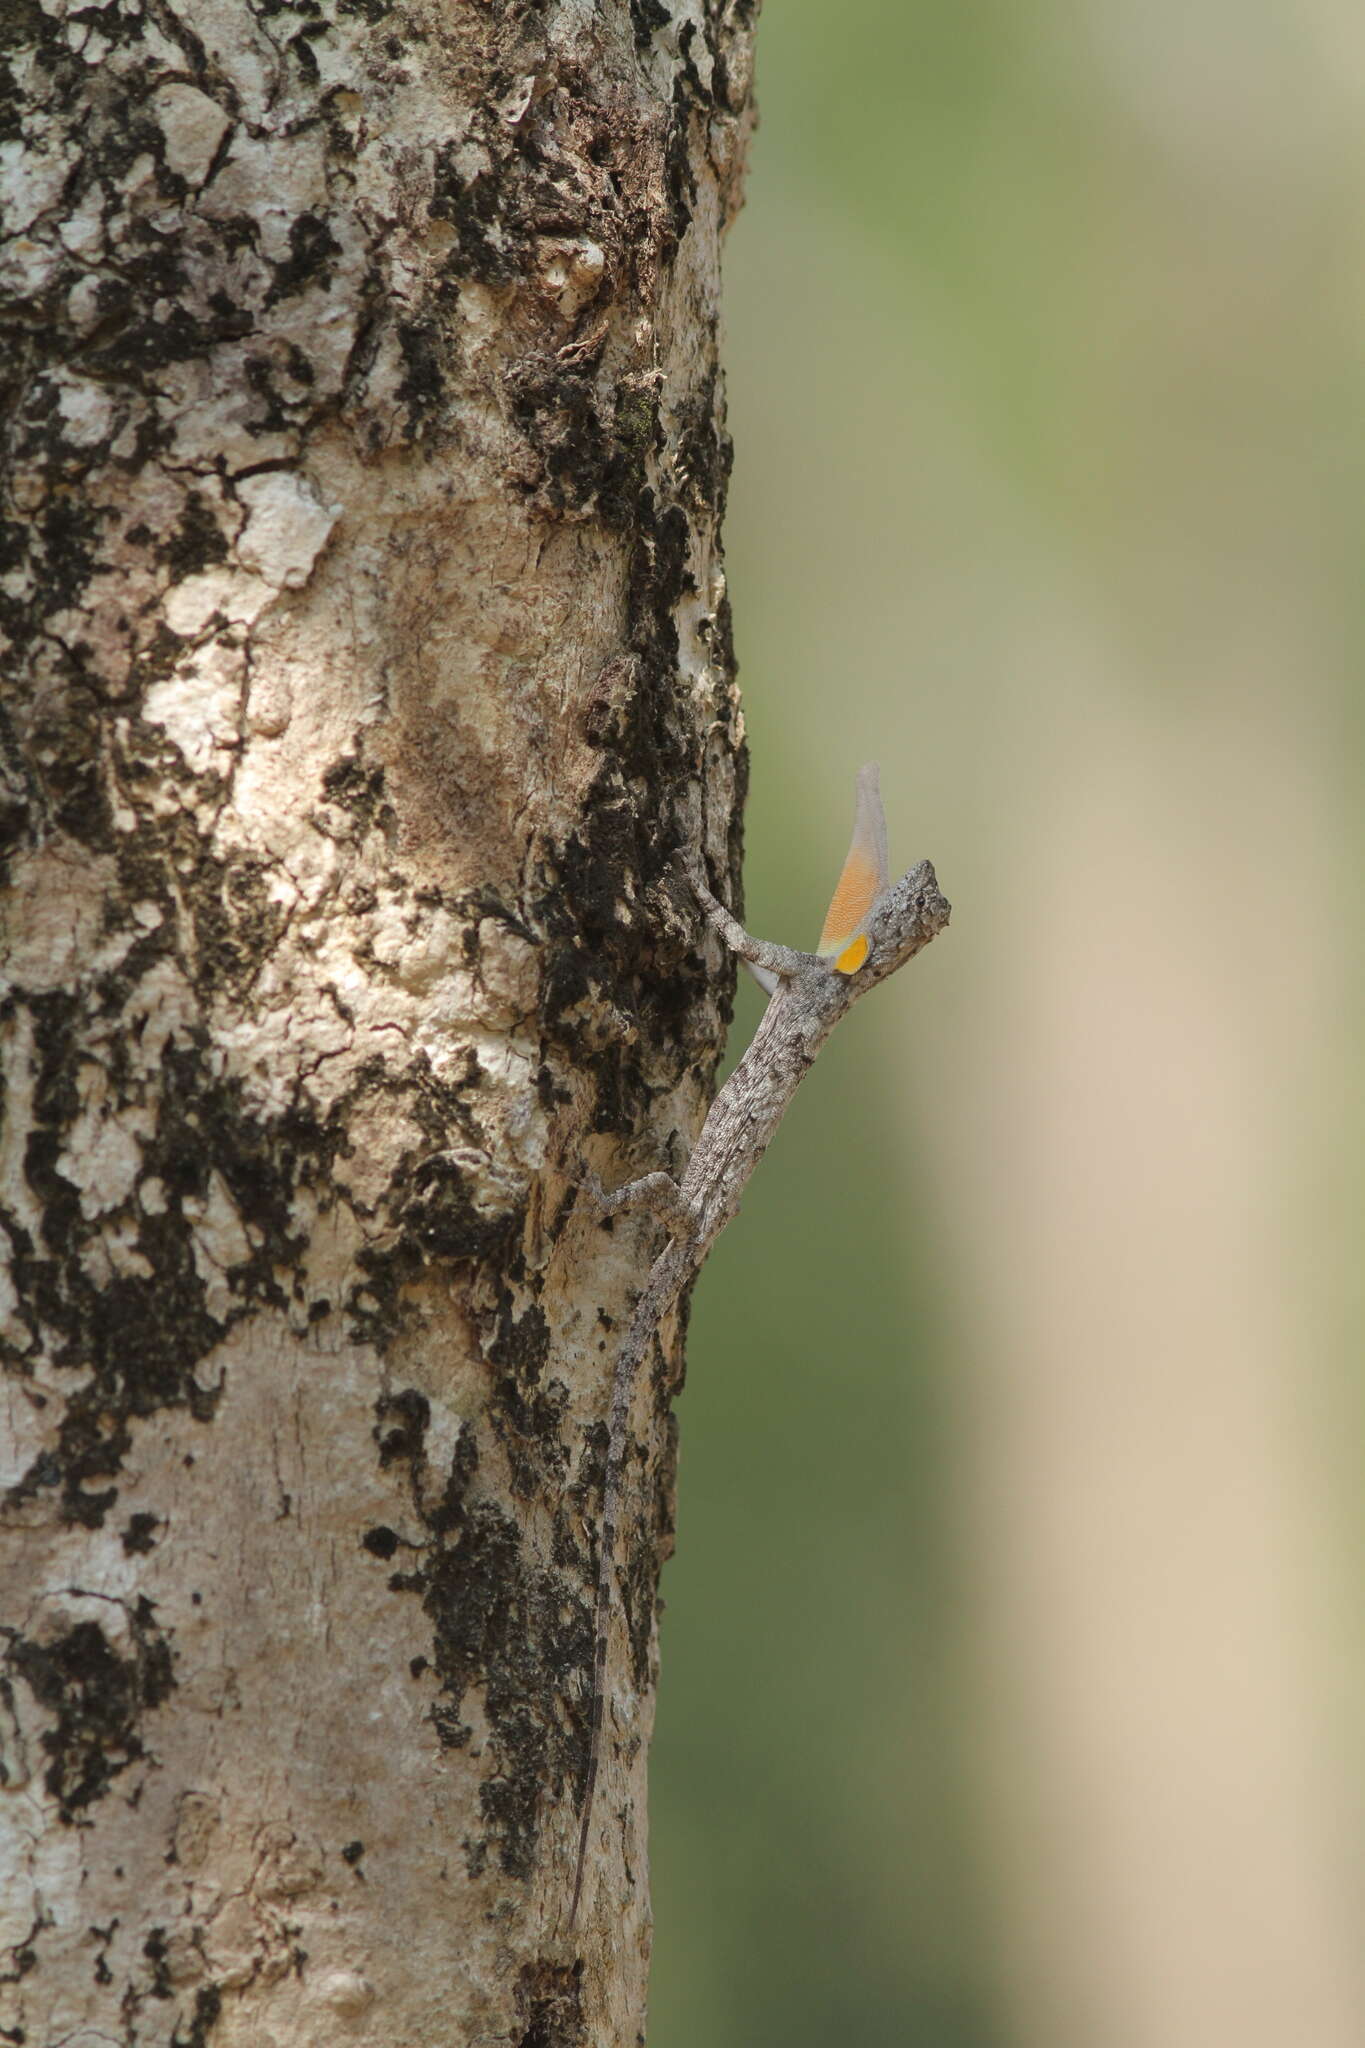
(617, 949)
(208, 2005)
(156, 1949)
(97, 1701)
(142, 1338)
(198, 539)
(550, 2006)
(437, 1221)
(139, 1537)
(527, 1414)
(500, 1620)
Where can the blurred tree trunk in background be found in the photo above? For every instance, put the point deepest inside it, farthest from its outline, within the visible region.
(361, 556)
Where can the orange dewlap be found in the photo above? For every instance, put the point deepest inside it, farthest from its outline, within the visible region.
(859, 886)
(852, 957)
(862, 882)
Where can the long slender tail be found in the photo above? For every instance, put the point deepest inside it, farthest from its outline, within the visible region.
(666, 1277)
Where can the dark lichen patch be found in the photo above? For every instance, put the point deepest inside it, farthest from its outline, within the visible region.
(527, 1415)
(402, 1421)
(101, 1971)
(423, 388)
(678, 175)
(550, 2006)
(615, 948)
(357, 786)
(659, 579)
(221, 919)
(510, 1804)
(499, 1620)
(139, 1535)
(522, 1343)
(646, 18)
(141, 1337)
(63, 539)
(471, 202)
(621, 942)
(437, 1103)
(443, 1222)
(435, 1222)
(580, 167)
(699, 94)
(276, 411)
(312, 250)
(703, 453)
(146, 345)
(23, 26)
(198, 539)
(157, 1951)
(96, 1699)
(208, 2006)
(63, 749)
(558, 412)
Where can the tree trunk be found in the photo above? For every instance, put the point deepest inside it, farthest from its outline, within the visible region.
(362, 558)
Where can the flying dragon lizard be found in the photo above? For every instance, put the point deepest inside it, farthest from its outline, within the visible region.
(873, 927)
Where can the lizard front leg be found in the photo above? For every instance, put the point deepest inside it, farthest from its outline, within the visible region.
(658, 1192)
(762, 954)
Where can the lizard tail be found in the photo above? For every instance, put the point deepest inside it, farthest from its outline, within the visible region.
(666, 1277)
(601, 1628)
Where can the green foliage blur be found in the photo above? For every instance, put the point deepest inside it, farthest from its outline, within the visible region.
(1045, 384)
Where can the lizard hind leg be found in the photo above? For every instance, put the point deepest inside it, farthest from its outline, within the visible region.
(657, 1192)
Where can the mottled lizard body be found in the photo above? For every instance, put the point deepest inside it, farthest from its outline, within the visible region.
(872, 929)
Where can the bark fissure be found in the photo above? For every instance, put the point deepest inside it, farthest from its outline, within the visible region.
(359, 556)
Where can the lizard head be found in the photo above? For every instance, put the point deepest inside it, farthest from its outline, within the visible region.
(903, 921)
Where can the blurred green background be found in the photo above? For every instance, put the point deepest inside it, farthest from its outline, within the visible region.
(1011, 1682)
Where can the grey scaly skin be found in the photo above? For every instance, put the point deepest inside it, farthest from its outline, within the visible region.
(809, 994)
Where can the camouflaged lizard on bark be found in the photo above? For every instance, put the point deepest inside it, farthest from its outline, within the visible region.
(872, 929)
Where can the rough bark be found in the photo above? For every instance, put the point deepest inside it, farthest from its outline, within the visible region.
(361, 566)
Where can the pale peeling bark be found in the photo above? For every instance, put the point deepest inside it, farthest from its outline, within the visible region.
(361, 568)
